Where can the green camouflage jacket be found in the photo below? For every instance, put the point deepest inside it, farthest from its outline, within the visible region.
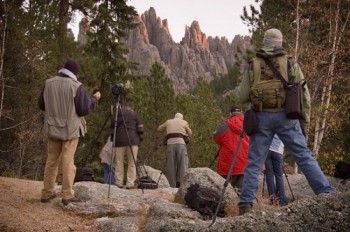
(242, 92)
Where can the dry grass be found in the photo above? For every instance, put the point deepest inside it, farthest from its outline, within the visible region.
(144, 217)
(232, 208)
(262, 202)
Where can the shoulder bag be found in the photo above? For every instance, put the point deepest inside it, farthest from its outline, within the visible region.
(294, 95)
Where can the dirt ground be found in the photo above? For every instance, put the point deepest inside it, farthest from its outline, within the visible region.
(21, 210)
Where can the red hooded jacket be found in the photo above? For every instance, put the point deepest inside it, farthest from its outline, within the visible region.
(227, 136)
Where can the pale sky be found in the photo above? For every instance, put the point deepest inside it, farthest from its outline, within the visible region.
(215, 17)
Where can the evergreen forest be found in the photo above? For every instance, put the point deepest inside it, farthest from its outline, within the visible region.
(35, 42)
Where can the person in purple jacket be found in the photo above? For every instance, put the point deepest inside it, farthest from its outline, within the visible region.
(65, 102)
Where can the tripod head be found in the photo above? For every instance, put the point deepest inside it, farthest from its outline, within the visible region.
(118, 90)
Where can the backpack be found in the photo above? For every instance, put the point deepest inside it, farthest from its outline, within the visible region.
(342, 170)
(267, 91)
(204, 200)
(146, 182)
(84, 174)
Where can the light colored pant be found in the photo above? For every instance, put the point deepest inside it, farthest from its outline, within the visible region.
(132, 158)
(60, 151)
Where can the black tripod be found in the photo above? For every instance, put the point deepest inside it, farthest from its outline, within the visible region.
(228, 177)
(118, 109)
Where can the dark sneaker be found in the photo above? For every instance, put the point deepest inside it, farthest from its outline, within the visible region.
(67, 201)
(245, 209)
(283, 204)
(47, 199)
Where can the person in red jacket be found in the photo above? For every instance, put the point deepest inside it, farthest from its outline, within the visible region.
(227, 136)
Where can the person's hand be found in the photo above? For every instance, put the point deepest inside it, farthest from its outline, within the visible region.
(97, 95)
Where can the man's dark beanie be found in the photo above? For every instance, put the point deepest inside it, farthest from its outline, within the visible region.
(235, 109)
(72, 66)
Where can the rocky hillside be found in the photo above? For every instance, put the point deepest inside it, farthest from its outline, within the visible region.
(195, 56)
(162, 209)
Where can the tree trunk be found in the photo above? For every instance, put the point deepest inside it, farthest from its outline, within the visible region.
(321, 117)
(64, 19)
(2, 54)
(296, 55)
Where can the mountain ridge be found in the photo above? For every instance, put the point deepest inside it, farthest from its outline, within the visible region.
(195, 56)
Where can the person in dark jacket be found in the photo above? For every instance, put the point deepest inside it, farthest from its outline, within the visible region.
(65, 102)
(129, 131)
(227, 136)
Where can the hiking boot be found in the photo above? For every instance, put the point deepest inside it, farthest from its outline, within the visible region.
(67, 201)
(47, 199)
(119, 186)
(245, 209)
(325, 194)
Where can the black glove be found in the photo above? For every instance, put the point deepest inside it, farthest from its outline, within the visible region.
(303, 126)
(303, 131)
(141, 137)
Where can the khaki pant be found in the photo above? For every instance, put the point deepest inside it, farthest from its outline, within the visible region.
(131, 173)
(60, 151)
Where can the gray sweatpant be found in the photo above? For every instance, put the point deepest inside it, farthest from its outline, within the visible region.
(177, 163)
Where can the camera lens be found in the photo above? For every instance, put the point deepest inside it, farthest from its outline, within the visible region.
(118, 89)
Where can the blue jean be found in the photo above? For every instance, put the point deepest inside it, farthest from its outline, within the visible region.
(290, 133)
(274, 171)
(108, 174)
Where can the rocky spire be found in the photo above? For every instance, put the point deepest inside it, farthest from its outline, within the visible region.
(84, 27)
(195, 37)
(196, 56)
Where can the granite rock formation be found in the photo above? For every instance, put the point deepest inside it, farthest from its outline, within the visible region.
(195, 56)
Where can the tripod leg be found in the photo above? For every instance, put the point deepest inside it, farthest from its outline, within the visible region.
(128, 137)
(110, 170)
(217, 154)
(263, 184)
(290, 188)
(95, 140)
(227, 178)
(161, 171)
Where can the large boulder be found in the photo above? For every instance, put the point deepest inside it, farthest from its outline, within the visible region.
(207, 178)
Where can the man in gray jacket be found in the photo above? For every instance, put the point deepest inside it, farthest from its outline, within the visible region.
(65, 102)
(177, 158)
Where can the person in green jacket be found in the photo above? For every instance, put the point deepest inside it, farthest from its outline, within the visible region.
(273, 121)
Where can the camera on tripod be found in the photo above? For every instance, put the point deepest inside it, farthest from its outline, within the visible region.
(118, 90)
